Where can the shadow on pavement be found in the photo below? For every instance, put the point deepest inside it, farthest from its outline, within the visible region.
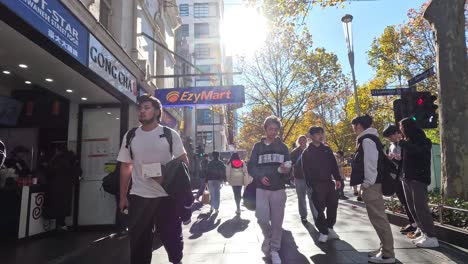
(289, 251)
(205, 223)
(232, 226)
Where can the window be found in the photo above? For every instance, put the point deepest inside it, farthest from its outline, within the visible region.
(204, 117)
(201, 9)
(204, 69)
(202, 30)
(184, 30)
(202, 51)
(184, 10)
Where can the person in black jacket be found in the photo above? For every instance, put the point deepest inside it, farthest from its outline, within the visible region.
(319, 166)
(416, 174)
(215, 176)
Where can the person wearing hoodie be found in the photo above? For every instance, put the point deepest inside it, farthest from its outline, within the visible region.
(365, 172)
(416, 174)
(215, 176)
(237, 176)
(301, 187)
(319, 166)
(270, 164)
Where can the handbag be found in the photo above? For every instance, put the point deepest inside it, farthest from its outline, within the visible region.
(206, 196)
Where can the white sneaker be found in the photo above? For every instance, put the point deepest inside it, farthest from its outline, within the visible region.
(266, 248)
(275, 258)
(323, 238)
(332, 234)
(374, 253)
(428, 242)
(419, 239)
(381, 259)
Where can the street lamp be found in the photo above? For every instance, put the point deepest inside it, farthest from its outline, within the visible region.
(347, 28)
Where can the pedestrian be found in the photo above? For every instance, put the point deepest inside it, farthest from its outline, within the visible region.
(320, 168)
(393, 135)
(416, 174)
(301, 187)
(215, 177)
(148, 203)
(341, 164)
(202, 175)
(237, 176)
(270, 164)
(365, 172)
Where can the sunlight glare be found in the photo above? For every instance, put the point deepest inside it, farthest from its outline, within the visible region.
(244, 30)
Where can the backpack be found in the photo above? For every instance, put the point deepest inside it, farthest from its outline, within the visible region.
(385, 167)
(111, 183)
(131, 134)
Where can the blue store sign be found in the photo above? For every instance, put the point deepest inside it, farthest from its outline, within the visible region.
(56, 22)
(176, 97)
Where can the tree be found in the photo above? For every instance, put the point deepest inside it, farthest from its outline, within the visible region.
(447, 18)
(252, 127)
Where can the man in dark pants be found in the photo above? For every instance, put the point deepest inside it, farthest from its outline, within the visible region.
(392, 134)
(319, 166)
(149, 204)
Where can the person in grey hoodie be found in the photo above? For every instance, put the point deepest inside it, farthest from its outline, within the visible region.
(365, 172)
(270, 164)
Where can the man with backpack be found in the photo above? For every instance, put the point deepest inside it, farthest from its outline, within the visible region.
(365, 171)
(142, 156)
(215, 176)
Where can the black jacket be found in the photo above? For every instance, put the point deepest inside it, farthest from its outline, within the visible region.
(416, 156)
(177, 185)
(297, 163)
(319, 165)
(216, 171)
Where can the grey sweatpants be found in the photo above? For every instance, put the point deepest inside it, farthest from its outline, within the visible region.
(270, 214)
(416, 197)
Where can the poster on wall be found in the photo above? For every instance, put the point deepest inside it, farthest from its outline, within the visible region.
(96, 152)
(54, 21)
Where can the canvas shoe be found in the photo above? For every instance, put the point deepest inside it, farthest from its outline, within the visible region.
(332, 234)
(374, 253)
(428, 242)
(381, 259)
(275, 258)
(323, 238)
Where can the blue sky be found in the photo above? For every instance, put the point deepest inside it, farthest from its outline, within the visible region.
(370, 20)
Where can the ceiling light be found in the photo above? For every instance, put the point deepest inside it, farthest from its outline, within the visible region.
(84, 98)
(49, 80)
(109, 113)
(27, 82)
(24, 66)
(6, 72)
(69, 91)
(117, 118)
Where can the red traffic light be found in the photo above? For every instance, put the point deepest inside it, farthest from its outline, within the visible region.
(420, 101)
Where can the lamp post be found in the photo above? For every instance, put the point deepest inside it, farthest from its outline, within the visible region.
(346, 20)
(213, 123)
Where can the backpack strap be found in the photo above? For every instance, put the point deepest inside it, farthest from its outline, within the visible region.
(168, 135)
(128, 140)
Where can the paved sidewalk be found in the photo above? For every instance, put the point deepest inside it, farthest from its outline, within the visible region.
(226, 239)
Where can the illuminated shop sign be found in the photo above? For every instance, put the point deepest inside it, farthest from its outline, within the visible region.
(201, 95)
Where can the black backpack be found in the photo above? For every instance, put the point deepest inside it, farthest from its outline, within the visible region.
(385, 167)
(111, 182)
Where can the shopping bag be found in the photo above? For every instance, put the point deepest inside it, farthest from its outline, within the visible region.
(206, 196)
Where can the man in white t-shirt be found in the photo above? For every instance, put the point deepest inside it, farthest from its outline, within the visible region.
(148, 203)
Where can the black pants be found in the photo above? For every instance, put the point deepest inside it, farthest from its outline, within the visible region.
(417, 198)
(400, 192)
(145, 213)
(324, 197)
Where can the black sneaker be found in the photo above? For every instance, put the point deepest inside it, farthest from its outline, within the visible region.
(407, 229)
(359, 199)
(342, 197)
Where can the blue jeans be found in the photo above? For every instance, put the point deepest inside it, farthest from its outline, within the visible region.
(302, 190)
(214, 186)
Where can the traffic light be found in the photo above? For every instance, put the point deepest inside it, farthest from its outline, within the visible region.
(200, 151)
(419, 106)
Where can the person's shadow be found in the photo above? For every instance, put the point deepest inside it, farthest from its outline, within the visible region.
(204, 223)
(289, 252)
(232, 226)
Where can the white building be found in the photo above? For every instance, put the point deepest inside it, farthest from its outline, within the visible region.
(201, 21)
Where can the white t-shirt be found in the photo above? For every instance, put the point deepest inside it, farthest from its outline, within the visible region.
(147, 148)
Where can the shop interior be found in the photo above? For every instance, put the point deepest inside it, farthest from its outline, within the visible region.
(40, 102)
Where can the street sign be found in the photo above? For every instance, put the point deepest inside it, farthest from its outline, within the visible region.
(421, 76)
(385, 92)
